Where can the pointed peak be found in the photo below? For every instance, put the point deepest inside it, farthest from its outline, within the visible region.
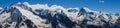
(19, 4)
(85, 9)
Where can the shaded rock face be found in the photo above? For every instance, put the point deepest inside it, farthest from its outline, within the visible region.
(58, 18)
(22, 22)
(82, 12)
(117, 24)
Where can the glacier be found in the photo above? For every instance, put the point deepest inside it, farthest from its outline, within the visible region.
(25, 15)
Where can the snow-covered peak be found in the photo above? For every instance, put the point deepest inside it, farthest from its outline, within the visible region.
(26, 3)
(34, 7)
(85, 9)
(39, 6)
(56, 7)
(73, 9)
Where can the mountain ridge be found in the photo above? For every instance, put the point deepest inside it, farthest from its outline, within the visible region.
(24, 15)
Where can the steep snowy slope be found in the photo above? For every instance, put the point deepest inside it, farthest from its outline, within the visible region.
(25, 15)
(17, 15)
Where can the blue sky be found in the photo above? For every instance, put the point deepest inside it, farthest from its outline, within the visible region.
(112, 6)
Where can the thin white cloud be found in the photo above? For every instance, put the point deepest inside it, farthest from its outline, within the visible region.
(0, 8)
(101, 1)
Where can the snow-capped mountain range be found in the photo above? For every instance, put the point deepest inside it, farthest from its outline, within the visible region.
(25, 15)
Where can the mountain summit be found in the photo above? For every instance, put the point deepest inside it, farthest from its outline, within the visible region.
(83, 11)
(25, 15)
